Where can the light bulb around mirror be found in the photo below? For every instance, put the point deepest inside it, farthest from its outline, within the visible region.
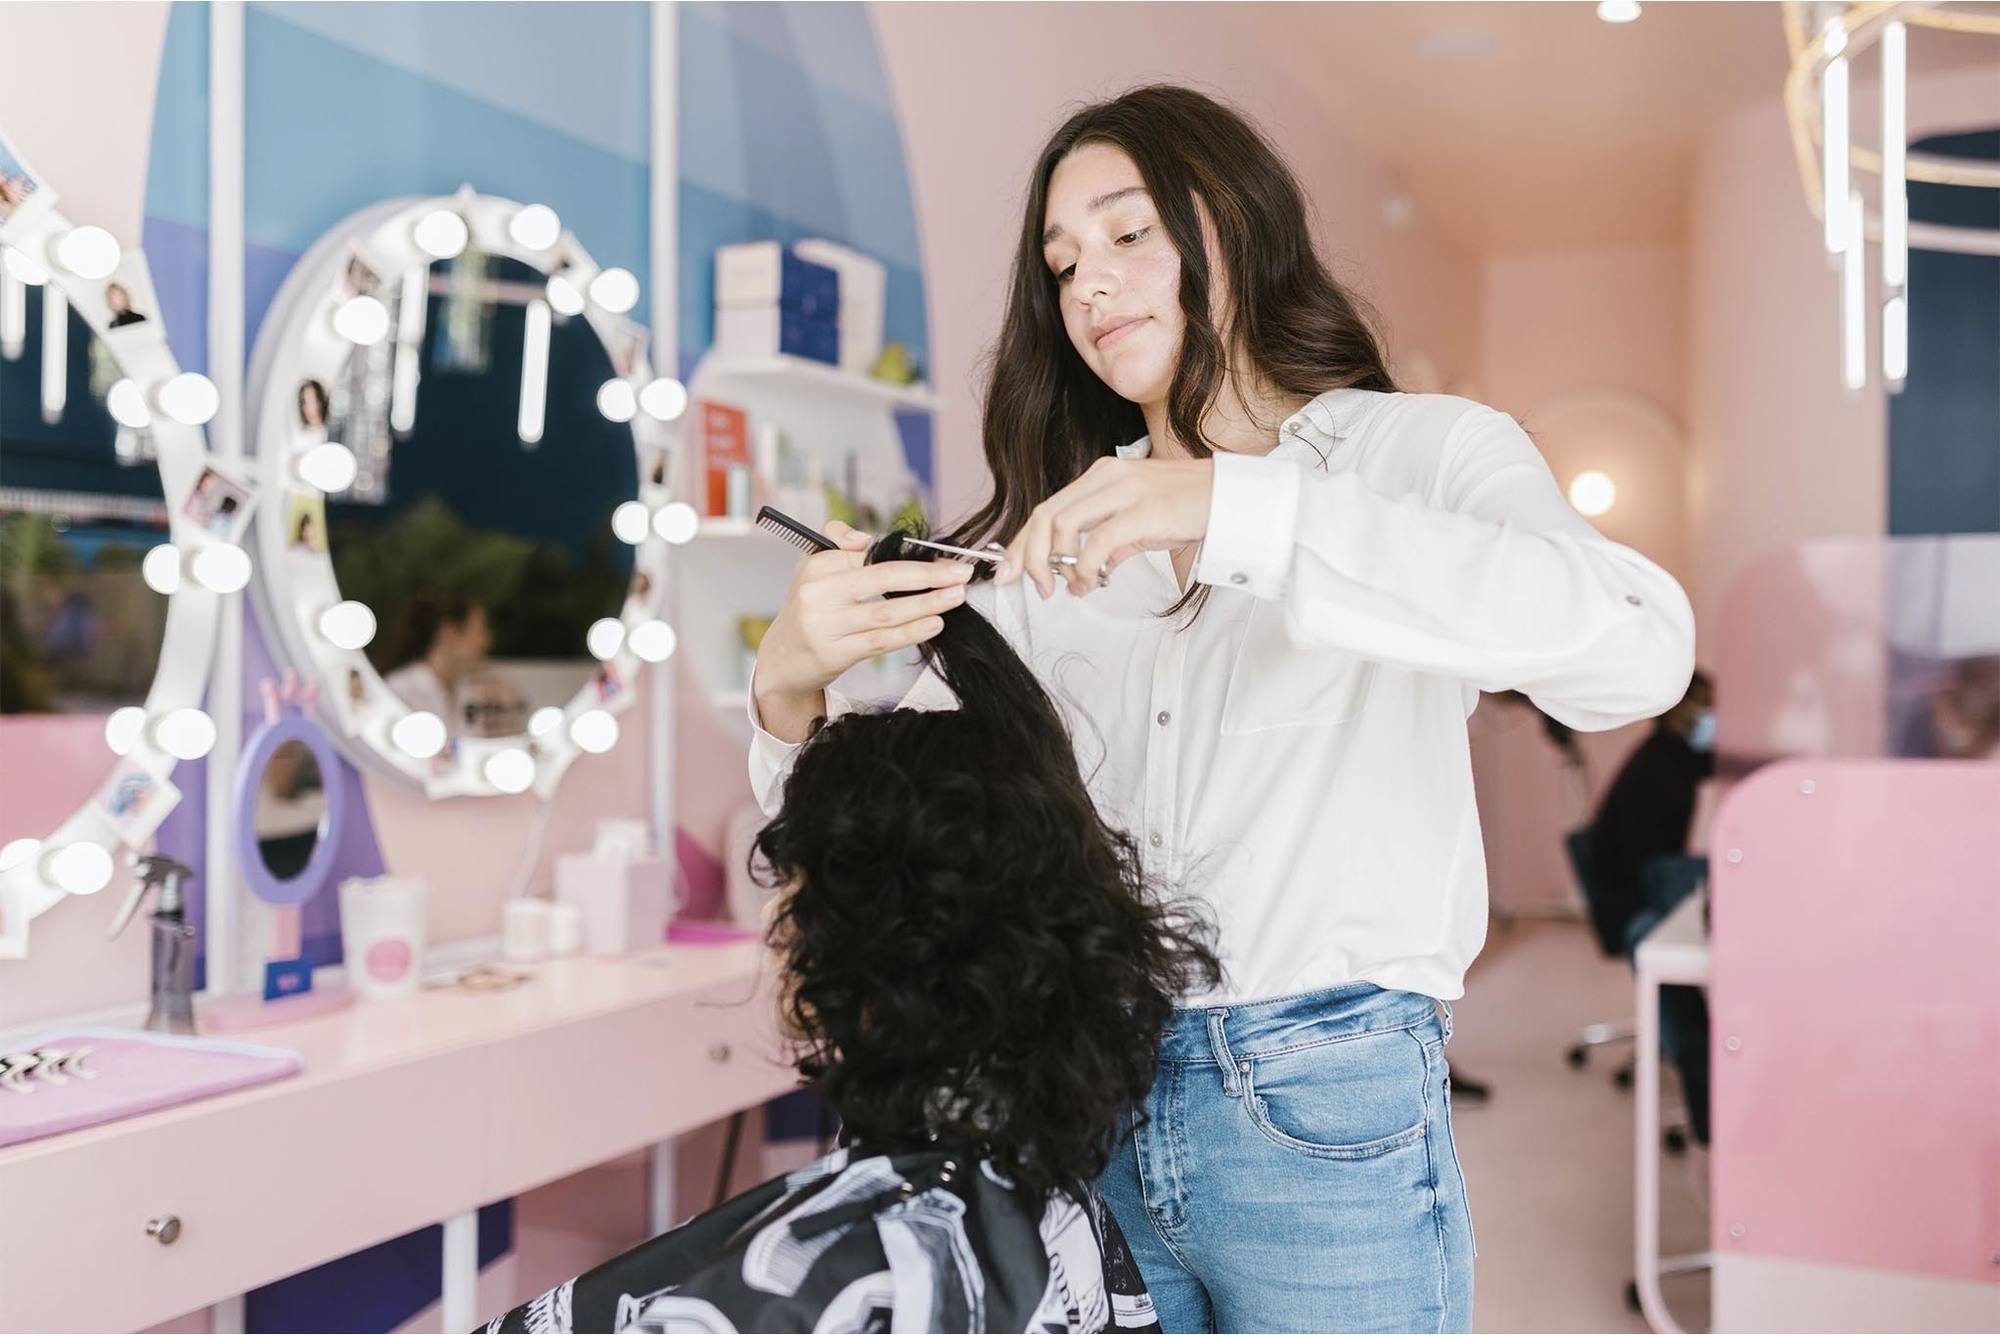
(595, 731)
(18, 852)
(654, 641)
(535, 228)
(124, 728)
(1618, 11)
(88, 252)
(348, 625)
(25, 267)
(221, 567)
(617, 401)
(362, 321)
(79, 869)
(565, 296)
(161, 569)
(190, 398)
(511, 771)
(630, 523)
(420, 735)
(665, 399)
(615, 290)
(605, 638)
(126, 403)
(1592, 492)
(545, 721)
(440, 234)
(677, 522)
(185, 734)
(328, 466)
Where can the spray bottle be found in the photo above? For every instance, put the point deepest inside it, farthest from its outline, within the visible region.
(173, 942)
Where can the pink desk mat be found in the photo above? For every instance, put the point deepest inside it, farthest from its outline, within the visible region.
(137, 1073)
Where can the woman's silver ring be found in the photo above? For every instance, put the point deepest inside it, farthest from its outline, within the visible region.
(1058, 561)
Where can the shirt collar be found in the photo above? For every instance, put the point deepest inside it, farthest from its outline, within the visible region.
(1332, 415)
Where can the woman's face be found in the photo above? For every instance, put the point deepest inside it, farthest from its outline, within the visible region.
(1117, 274)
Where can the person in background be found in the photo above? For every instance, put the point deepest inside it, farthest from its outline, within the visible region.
(1640, 868)
(442, 640)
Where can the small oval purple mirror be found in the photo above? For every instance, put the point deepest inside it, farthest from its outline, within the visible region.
(289, 810)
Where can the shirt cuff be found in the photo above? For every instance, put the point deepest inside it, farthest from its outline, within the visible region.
(1253, 515)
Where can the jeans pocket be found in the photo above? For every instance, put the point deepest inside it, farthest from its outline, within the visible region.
(1354, 1098)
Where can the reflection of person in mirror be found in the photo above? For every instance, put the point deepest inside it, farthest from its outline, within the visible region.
(442, 640)
(119, 300)
(312, 404)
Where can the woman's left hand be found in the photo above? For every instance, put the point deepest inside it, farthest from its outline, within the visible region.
(1125, 506)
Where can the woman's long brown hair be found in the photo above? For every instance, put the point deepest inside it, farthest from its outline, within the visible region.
(1048, 416)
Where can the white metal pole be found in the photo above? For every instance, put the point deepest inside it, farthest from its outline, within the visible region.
(664, 264)
(225, 931)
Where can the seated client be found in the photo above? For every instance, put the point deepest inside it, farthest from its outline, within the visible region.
(976, 974)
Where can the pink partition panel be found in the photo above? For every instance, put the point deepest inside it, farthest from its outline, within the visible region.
(1856, 1015)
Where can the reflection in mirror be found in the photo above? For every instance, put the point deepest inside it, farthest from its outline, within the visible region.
(485, 557)
(291, 810)
(80, 505)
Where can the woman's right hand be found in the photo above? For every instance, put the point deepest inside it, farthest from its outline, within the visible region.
(835, 615)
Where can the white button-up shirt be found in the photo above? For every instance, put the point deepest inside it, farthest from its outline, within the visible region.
(1296, 758)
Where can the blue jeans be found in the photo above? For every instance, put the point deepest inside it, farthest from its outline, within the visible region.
(1297, 1170)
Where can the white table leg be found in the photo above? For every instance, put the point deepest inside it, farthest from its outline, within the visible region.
(227, 1317)
(460, 1307)
(660, 1184)
(1646, 1158)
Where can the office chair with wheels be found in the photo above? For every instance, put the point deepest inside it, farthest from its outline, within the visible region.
(1611, 940)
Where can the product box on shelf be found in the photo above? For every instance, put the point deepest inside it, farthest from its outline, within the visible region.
(864, 297)
(721, 449)
(761, 331)
(767, 274)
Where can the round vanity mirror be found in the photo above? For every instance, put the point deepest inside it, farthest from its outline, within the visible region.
(462, 481)
(118, 538)
(291, 811)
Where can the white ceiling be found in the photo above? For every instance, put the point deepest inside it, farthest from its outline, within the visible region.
(1537, 125)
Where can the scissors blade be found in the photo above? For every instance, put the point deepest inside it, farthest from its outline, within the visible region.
(965, 553)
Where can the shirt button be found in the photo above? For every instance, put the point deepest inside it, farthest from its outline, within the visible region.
(1165, 718)
(1632, 598)
(1239, 578)
(1153, 839)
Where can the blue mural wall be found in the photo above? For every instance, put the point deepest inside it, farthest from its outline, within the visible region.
(787, 130)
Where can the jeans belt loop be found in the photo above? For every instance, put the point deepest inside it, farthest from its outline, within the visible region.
(1218, 1042)
(1445, 1006)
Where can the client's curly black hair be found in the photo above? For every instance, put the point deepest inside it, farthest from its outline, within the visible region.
(970, 950)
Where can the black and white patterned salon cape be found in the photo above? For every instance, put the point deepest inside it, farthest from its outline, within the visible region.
(924, 1241)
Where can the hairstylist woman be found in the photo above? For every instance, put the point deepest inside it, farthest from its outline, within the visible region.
(1268, 589)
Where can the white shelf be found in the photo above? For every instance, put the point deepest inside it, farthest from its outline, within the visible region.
(723, 527)
(786, 369)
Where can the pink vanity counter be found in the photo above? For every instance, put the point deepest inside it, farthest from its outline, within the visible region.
(408, 1113)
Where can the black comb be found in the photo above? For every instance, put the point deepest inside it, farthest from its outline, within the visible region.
(792, 531)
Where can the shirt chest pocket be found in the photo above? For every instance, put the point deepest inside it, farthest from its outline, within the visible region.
(1274, 683)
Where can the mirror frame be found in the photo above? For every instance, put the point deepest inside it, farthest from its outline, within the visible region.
(289, 726)
(28, 887)
(294, 587)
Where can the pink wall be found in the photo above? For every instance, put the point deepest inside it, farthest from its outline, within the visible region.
(979, 87)
(1780, 452)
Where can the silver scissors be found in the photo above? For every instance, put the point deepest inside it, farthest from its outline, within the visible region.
(992, 551)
